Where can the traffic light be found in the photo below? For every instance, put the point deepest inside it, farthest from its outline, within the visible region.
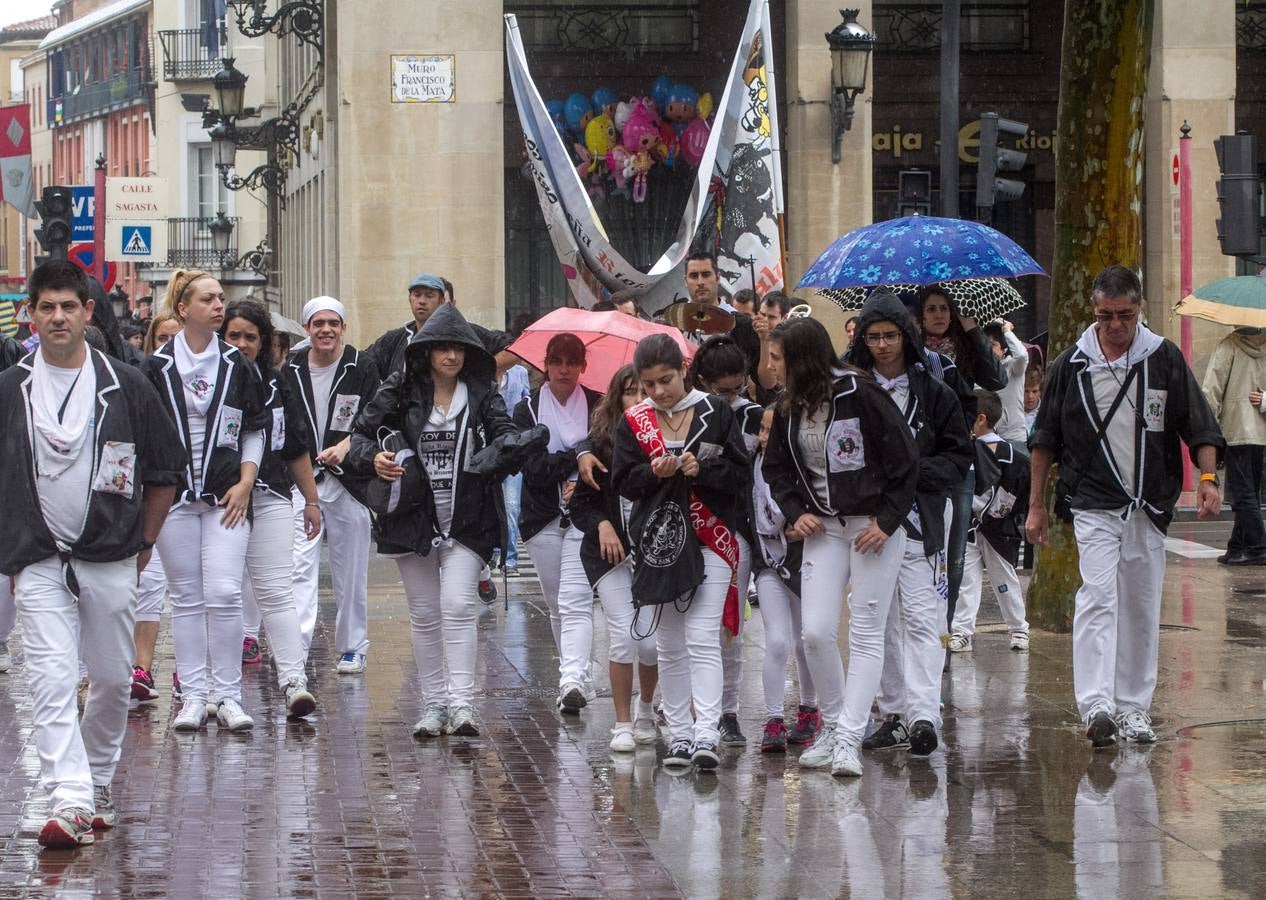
(1239, 186)
(914, 192)
(995, 158)
(56, 209)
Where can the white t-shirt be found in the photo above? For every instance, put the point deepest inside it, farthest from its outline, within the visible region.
(437, 450)
(64, 498)
(322, 385)
(1122, 427)
(812, 440)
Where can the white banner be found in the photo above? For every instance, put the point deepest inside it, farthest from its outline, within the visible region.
(742, 150)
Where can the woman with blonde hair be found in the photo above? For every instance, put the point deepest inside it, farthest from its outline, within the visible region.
(162, 328)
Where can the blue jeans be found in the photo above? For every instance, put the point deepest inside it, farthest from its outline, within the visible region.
(513, 489)
(960, 502)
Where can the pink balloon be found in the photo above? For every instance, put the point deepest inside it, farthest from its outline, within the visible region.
(694, 140)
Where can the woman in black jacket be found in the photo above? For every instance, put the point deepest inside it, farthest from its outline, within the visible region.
(842, 467)
(565, 407)
(214, 397)
(601, 516)
(686, 432)
(445, 407)
(267, 592)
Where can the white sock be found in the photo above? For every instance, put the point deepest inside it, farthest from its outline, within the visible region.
(645, 710)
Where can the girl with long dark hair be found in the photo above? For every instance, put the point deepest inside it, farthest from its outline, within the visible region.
(720, 368)
(213, 394)
(602, 517)
(676, 432)
(444, 407)
(841, 465)
(266, 589)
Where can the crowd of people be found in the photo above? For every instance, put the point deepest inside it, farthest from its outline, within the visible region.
(775, 468)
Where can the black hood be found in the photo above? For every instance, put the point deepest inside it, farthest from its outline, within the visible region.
(884, 307)
(447, 326)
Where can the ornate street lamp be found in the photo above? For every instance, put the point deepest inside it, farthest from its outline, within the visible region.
(223, 146)
(221, 228)
(851, 46)
(230, 88)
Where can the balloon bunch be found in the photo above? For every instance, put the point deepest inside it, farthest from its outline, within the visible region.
(617, 142)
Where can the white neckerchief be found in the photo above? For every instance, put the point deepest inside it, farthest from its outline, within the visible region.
(439, 418)
(692, 397)
(992, 438)
(893, 385)
(198, 372)
(1145, 343)
(58, 443)
(568, 422)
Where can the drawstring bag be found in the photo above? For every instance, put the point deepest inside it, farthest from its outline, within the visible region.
(667, 561)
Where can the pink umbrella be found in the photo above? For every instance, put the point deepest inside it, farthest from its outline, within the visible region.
(610, 339)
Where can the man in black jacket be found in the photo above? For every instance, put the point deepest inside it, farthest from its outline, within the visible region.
(427, 293)
(910, 688)
(1115, 407)
(91, 467)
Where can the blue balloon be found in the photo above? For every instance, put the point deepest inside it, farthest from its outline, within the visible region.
(557, 114)
(604, 97)
(682, 93)
(661, 87)
(578, 105)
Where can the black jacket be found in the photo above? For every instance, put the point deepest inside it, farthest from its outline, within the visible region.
(1002, 480)
(1177, 413)
(129, 414)
(286, 436)
(388, 351)
(10, 352)
(544, 473)
(877, 472)
(403, 403)
(237, 389)
(714, 439)
(589, 509)
(935, 419)
(355, 381)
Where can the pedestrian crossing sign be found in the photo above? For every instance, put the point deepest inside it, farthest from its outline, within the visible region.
(137, 240)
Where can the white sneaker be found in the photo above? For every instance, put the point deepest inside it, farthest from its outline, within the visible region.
(6, 661)
(433, 720)
(351, 663)
(822, 752)
(590, 692)
(1020, 641)
(960, 643)
(1136, 726)
(232, 717)
(845, 760)
(571, 699)
(461, 722)
(299, 702)
(645, 730)
(192, 715)
(622, 740)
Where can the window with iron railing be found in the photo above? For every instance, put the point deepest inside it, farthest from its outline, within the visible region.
(1250, 25)
(903, 26)
(186, 54)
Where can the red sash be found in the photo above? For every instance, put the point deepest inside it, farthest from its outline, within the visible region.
(709, 529)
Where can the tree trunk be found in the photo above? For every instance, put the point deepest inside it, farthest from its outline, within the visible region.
(1104, 64)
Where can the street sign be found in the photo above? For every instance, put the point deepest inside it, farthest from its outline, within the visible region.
(82, 256)
(136, 241)
(136, 199)
(83, 207)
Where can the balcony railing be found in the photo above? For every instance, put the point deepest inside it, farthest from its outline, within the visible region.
(95, 97)
(185, 55)
(1250, 25)
(189, 243)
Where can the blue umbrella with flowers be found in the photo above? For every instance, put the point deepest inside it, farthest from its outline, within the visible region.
(920, 250)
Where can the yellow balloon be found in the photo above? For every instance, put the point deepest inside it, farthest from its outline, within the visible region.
(704, 107)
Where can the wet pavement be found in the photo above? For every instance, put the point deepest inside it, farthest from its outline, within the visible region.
(349, 804)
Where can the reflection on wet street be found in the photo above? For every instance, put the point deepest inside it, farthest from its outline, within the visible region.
(1015, 804)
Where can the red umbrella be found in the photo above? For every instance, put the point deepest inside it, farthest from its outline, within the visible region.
(609, 337)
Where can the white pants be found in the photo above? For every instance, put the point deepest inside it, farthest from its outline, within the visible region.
(732, 647)
(780, 611)
(981, 556)
(152, 590)
(441, 591)
(690, 655)
(266, 586)
(615, 590)
(830, 564)
(8, 609)
(913, 653)
(76, 755)
(345, 524)
(204, 562)
(1116, 620)
(570, 598)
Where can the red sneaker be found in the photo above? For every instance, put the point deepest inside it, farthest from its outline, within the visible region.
(775, 739)
(808, 724)
(67, 830)
(250, 650)
(143, 688)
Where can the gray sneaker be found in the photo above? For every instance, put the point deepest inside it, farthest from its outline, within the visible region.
(433, 721)
(1136, 726)
(822, 752)
(299, 702)
(105, 815)
(461, 721)
(67, 829)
